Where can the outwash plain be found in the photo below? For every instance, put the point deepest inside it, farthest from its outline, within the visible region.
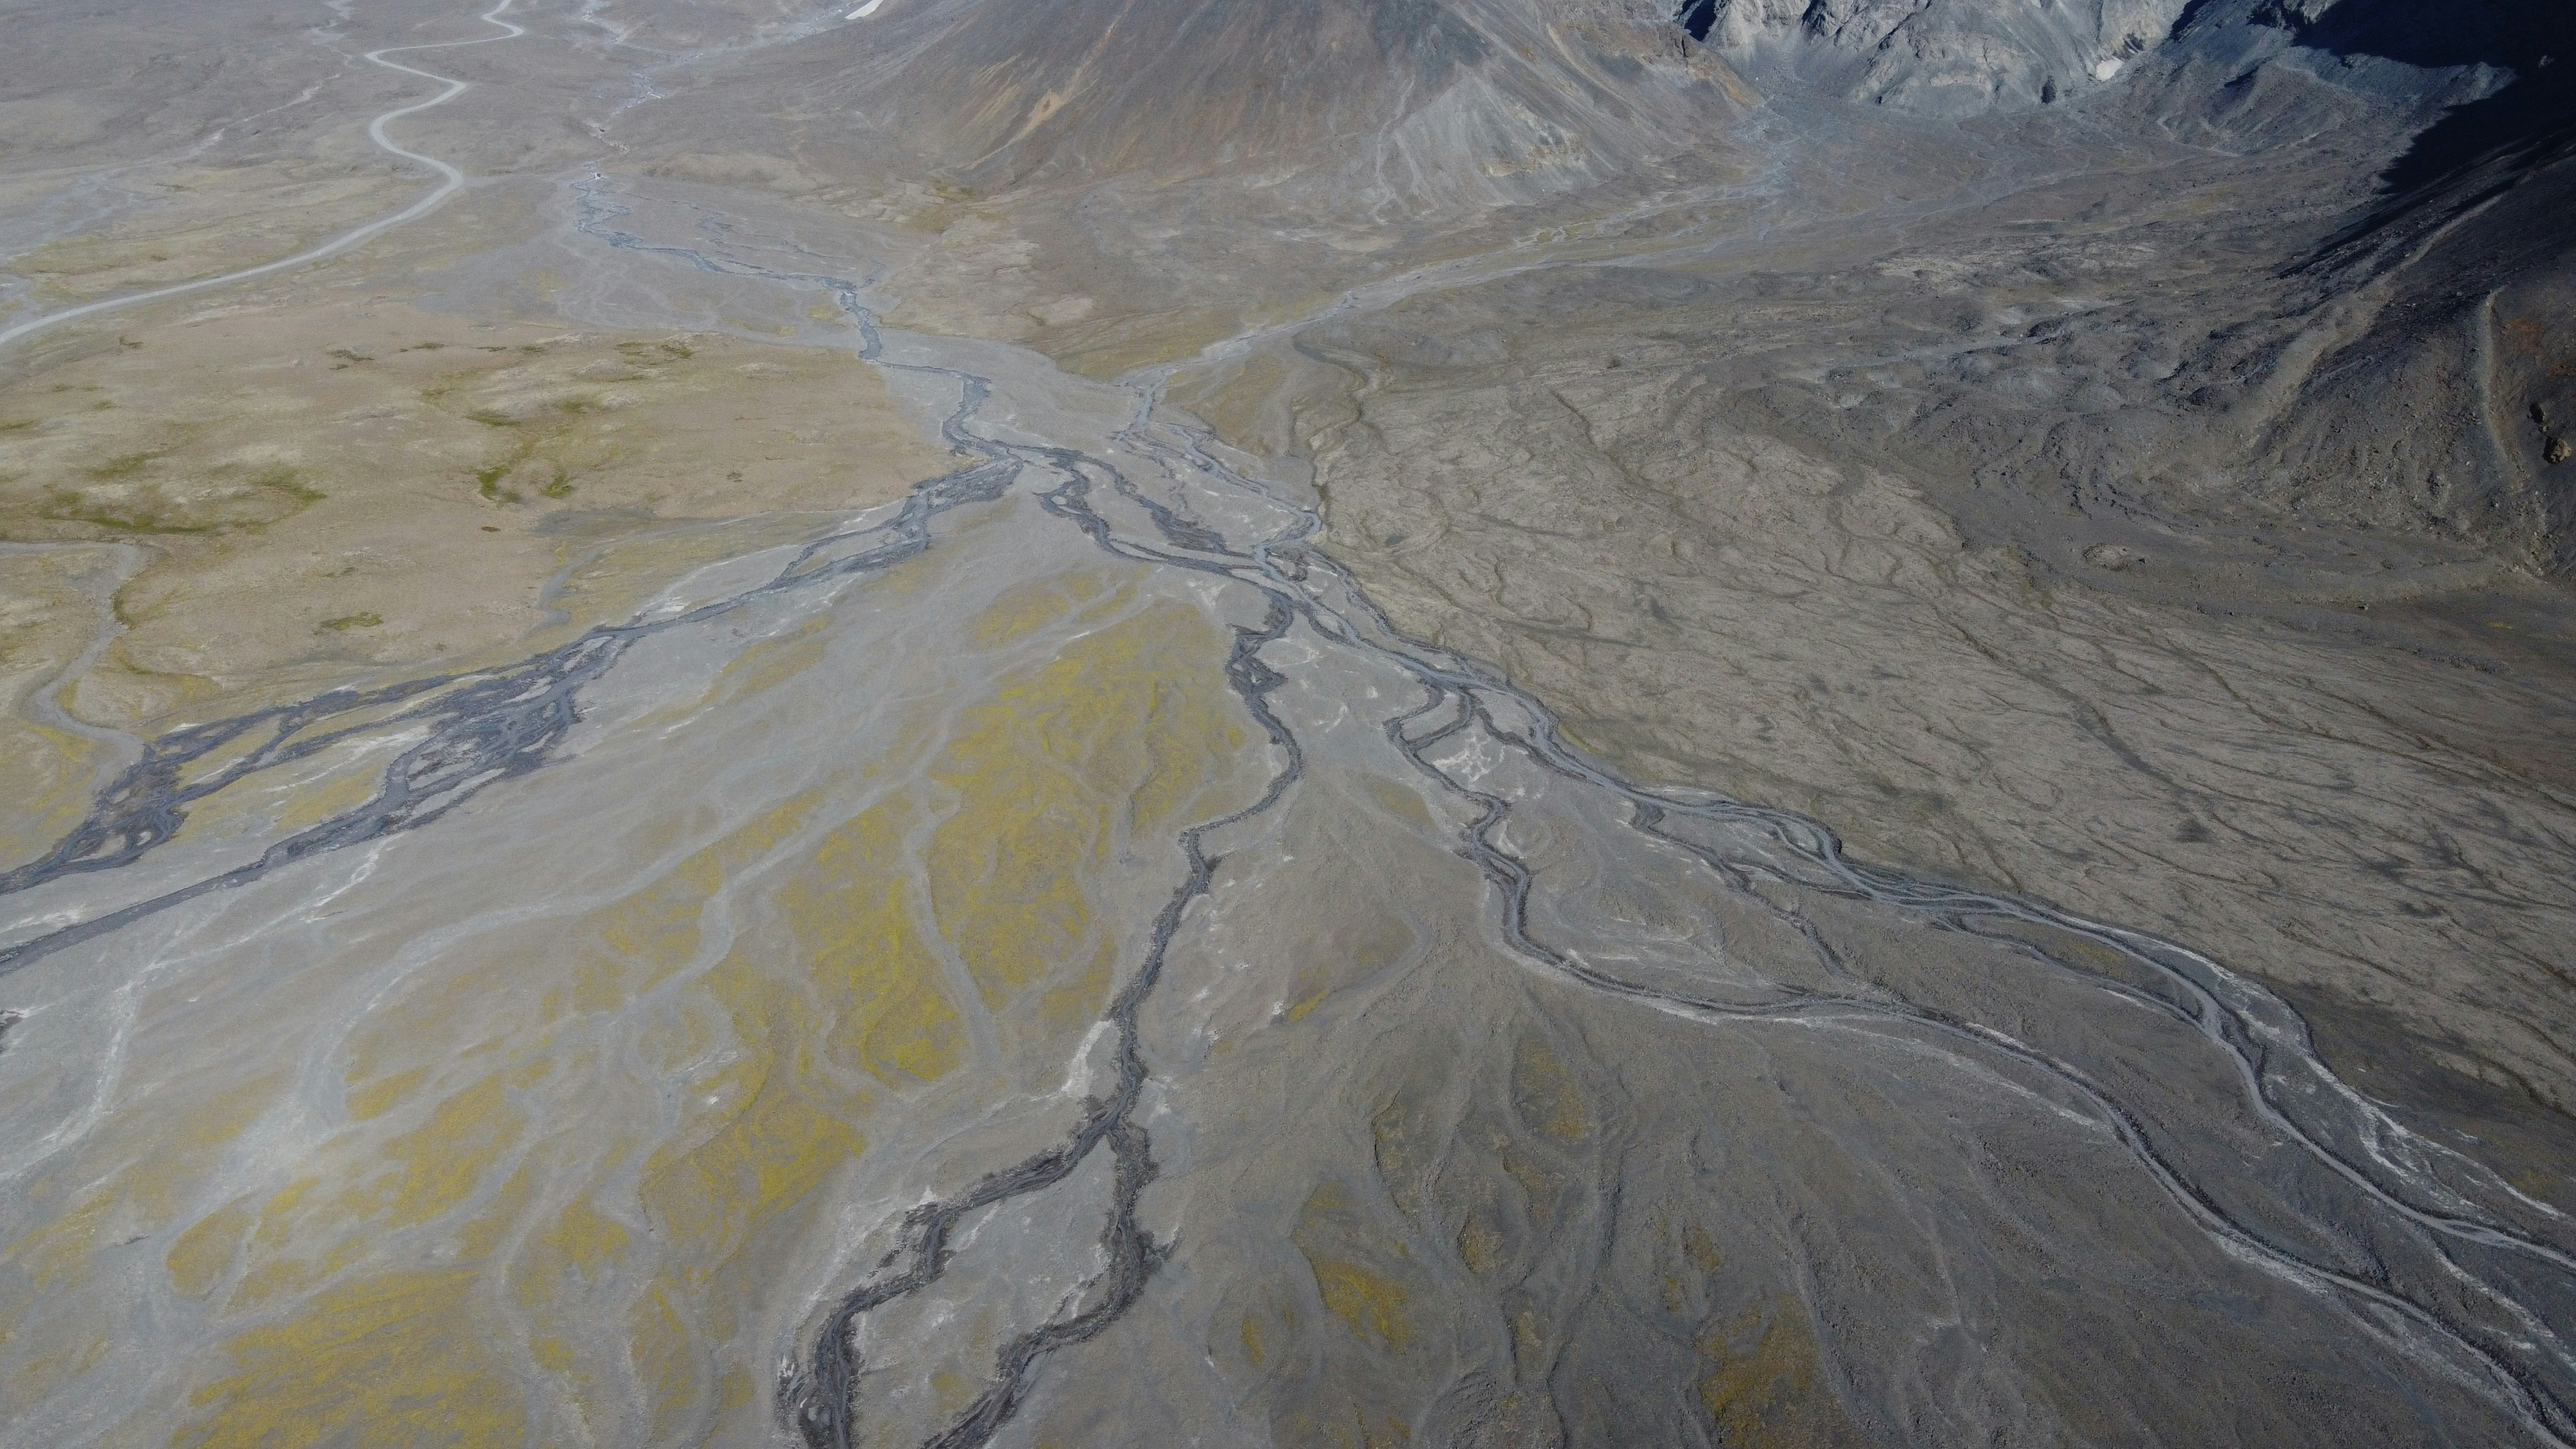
(1287, 722)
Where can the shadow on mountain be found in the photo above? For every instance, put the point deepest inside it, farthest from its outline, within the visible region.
(2454, 398)
(2530, 122)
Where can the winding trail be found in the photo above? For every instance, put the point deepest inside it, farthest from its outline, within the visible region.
(451, 180)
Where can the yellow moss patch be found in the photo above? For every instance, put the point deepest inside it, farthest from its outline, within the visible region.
(1025, 608)
(388, 1362)
(666, 1359)
(1406, 805)
(772, 662)
(1765, 1388)
(442, 1162)
(1372, 1306)
(1354, 1275)
(850, 912)
(1121, 344)
(586, 1238)
(1125, 716)
(706, 1200)
(469, 1145)
(141, 1169)
(43, 1374)
(1547, 1096)
(208, 220)
(268, 455)
(51, 609)
(1480, 1247)
(199, 1257)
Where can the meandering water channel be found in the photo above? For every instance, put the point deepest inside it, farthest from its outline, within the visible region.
(2112, 1050)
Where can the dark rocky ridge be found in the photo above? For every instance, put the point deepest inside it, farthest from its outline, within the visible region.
(2392, 343)
(2344, 314)
(1482, 104)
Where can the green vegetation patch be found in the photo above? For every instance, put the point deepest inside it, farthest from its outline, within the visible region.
(672, 348)
(121, 504)
(145, 512)
(287, 481)
(123, 465)
(487, 481)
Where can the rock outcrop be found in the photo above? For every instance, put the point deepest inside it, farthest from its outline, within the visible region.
(1944, 57)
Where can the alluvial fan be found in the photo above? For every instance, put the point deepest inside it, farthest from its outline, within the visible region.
(1360, 723)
